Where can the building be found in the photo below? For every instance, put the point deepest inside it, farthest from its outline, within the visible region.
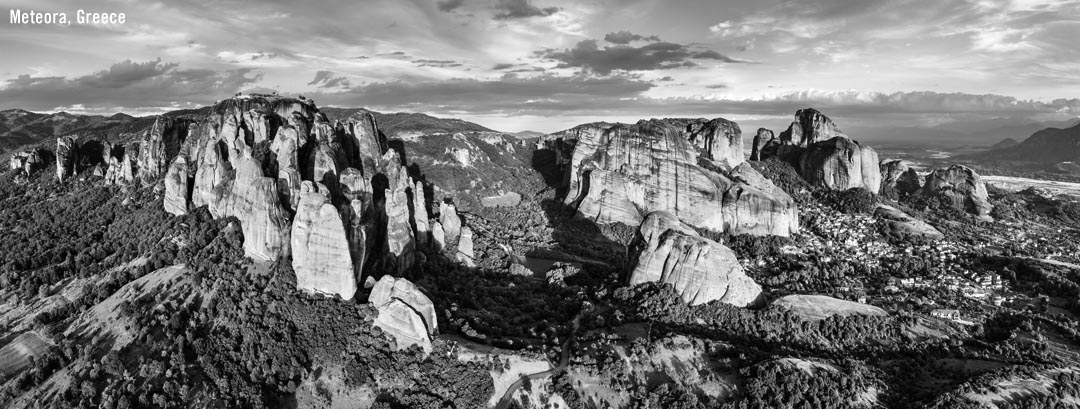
(946, 314)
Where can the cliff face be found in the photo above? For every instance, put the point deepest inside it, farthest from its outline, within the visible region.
(628, 171)
(320, 250)
(962, 187)
(841, 164)
(700, 270)
(822, 154)
(176, 187)
(898, 174)
(404, 312)
(159, 146)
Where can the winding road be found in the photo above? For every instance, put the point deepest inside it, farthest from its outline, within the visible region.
(564, 360)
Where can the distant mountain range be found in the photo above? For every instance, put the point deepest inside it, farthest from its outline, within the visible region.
(20, 127)
(974, 133)
(1048, 146)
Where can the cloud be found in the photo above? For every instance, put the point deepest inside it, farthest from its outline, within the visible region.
(654, 56)
(512, 9)
(437, 63)
(326, 79)
(501, 66)
(127, 84)
(449, 5)
(509, 94)
(626, 37)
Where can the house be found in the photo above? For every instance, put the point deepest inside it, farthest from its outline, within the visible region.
(947, 314)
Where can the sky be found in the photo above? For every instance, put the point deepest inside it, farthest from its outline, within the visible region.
(547, 65)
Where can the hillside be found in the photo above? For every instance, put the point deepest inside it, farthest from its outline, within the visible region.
(400, 124)
(19, 127)
(1050, 145)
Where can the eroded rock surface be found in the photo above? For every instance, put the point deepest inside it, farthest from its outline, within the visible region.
(176, 187)
(700, 270)
(320, 247)
(840, 163)
(963, 188)
(898, 174)
(404, 312)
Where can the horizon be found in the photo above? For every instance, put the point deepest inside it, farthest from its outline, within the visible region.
(547, 65)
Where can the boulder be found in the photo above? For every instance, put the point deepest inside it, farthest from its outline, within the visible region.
(320, 248)
(389, 288)
(903, 224)
(176, 187)
(404, 325)
(700, 270)
(840, 163)
(650, 166)
(962, 187)
(898, 174)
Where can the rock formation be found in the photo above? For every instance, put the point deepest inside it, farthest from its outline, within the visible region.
(465, 253)
(211, 179)
(26, 161)
(254, 200)
(840, 163)
(629, 171)
(121, 164)
(700, 270)
(159, 146)
(962, 187)
(420, 215)
(450, 223)
(438, 236)
(903, 224)
(320, 250)
(763, 136)
(176, 187)
(898, 174)
(809, 127)
(400, 246)
(718, 140)
(404, 312)
(370, 143)
(66, 152)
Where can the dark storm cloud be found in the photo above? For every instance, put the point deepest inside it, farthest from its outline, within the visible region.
(511, 9)
(603, 60)
(326, 79)
(449, 5)
(502, 66)
(626, 37)
(126, 84)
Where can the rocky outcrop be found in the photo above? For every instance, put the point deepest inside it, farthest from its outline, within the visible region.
(211, 180)
(286, 147)
(465, 253)
(718, 140)
(962, 187)
(159, 146)
(400, 246)
(176, 187)
(261, 125)
(404, 312)
(809, 127)
(450, 223)
(650, 166)
(897, 174)
(121, 164)
(700, 270)
(26, 161)
(320, 252)
(904, 225)
(840, 163)
(760, 139)
(438, 236)
(66, 152)
(254, 200)
(370, 143)
(420, 215)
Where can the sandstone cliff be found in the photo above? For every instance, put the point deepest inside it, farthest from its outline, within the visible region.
(628, 171)
(962, 187)
(699, 269)
(320, 251)
(840, 163)
(897, 174)
(176, 187)
(65, 157)
(404, 312)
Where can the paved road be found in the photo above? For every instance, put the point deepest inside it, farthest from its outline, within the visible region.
(564, 360)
